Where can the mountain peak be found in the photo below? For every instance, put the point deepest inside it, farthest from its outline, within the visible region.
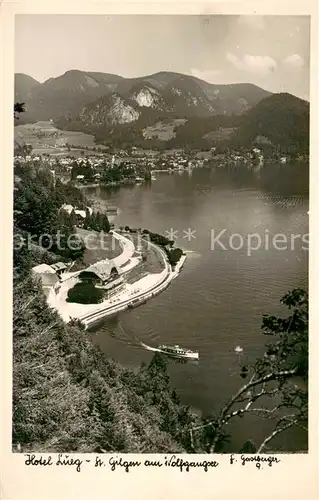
(25, 77)
(165, 92)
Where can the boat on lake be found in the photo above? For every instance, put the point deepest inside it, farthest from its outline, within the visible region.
(111, 211)
(178, 352)
(136, 303)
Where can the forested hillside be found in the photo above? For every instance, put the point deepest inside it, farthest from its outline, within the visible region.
(67, 396)
(279, 120)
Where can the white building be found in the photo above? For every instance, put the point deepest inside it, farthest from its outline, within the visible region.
(47, 276)
(81, 213)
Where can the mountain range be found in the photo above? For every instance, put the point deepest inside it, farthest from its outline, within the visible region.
(106, 104)
(77, 93)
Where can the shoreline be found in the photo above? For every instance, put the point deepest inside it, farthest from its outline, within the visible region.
(107, 184)
(144, 296)
(141, 290)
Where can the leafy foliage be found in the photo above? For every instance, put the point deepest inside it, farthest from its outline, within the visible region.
(37, 203)
(68, 193)
(83, 169)
(158, 239)
(289, 349)
(19, 107)
(97, 221)
(174, 255)
(85, 293)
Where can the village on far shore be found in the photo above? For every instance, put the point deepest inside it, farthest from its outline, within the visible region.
(137, 165)
(86, 163)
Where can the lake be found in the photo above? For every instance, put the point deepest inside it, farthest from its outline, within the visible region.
(218, 301)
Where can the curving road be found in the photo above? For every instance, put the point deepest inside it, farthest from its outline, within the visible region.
(148, 291)
(154, 289)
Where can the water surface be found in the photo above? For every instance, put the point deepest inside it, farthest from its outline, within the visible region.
(219, 299)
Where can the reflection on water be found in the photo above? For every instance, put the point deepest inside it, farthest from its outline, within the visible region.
(275, 179)
(218, 301)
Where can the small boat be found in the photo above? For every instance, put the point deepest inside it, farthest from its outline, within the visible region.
(111, 211)
(136, 303)
(178, 352)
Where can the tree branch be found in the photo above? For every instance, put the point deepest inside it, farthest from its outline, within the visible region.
(274, 433)
(244, 410)
(252, 383)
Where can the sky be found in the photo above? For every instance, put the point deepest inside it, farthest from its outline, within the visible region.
(272, 52)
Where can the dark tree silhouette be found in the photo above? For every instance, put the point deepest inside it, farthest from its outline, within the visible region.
(19, 107)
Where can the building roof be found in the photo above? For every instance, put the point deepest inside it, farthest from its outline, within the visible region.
(81, 213)
(46, 274)
(58, 266)
(48, 280)
(113, 284)
(43, 269)
(101, 269)
(70, 208)
(67, 208)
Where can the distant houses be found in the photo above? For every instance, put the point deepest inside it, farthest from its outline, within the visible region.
(79, 215)
(59, 268)
(49, 275)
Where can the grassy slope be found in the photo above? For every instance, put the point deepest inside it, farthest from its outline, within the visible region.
(43, 136)
(163, 130)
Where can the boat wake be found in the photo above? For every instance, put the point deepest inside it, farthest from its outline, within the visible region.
(192, 253)
(149, 348)
(122, 336)
(173, 359)
(119, 333)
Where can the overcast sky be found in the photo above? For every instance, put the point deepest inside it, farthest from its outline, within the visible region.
(271, 52)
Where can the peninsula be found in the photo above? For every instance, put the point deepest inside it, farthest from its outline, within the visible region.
(113, 277)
